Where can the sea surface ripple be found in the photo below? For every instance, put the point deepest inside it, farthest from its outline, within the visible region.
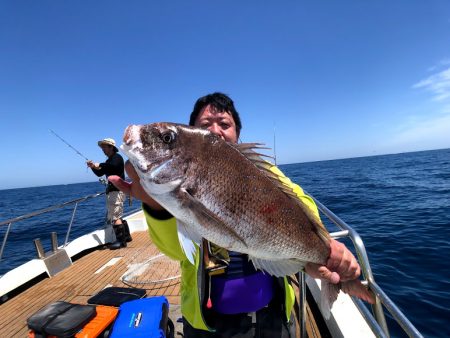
(400, 206)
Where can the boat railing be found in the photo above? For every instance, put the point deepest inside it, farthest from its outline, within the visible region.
(9, 222)
(375, 319)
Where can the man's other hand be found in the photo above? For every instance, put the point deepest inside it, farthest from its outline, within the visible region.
(133, 188)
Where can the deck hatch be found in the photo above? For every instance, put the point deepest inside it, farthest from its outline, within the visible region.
(111, 262)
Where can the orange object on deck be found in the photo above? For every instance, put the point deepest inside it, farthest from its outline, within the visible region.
(105, 316)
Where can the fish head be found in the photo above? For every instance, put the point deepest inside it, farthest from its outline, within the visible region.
(160, 153)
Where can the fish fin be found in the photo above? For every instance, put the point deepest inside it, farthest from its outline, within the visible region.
(250, 147)
(188, 239)
(356, 288)
(248, 150)
(278, 268)
(213, 220)
(328, 295)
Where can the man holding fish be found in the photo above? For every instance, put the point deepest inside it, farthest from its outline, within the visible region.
(234, 221)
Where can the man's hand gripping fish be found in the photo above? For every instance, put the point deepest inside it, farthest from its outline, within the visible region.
(227, 194)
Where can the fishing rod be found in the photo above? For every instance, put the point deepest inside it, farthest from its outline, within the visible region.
(69, 145)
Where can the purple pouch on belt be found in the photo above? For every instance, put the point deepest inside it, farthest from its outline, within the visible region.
(241, 295)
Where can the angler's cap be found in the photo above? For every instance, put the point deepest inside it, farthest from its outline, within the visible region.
(108, 141)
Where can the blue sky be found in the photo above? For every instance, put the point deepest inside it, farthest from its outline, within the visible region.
(336, 79)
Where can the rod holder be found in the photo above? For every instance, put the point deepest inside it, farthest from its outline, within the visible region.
(54, 241)
(39, 248)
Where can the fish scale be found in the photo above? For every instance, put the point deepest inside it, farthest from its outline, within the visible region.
(227, 194)
(223, 180)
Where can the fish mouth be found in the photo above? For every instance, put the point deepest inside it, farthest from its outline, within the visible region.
(158, 163)
(157, 168)
(139, 161)
(135, 158)
(156, 173)
(140, 164)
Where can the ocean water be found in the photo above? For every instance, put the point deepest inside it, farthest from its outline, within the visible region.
(90, 215)
(399, 204)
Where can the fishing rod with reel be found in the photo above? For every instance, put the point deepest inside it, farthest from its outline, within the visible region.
(70, 146)
(102, 180)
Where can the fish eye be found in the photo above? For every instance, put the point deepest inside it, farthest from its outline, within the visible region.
(168, 137)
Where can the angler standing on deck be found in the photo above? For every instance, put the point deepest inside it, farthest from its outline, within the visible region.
(224, 295)
(114, 165)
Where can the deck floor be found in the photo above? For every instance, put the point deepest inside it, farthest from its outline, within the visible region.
(91, 273)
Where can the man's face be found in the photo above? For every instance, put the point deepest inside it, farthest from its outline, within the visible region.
(219, 123)
(107, 149)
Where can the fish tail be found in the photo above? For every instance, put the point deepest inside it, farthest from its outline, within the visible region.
(329, 293)
(356, 288)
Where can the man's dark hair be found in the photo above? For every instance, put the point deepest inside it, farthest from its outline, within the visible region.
(222, 103)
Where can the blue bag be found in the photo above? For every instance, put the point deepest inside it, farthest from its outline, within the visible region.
(146, 317)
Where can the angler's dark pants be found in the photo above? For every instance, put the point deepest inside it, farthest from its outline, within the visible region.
(122, 232)
(269, 323)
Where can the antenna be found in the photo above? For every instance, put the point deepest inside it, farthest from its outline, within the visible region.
(274, 145)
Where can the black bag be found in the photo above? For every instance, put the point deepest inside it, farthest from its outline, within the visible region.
(61, 319)
(115, 296)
